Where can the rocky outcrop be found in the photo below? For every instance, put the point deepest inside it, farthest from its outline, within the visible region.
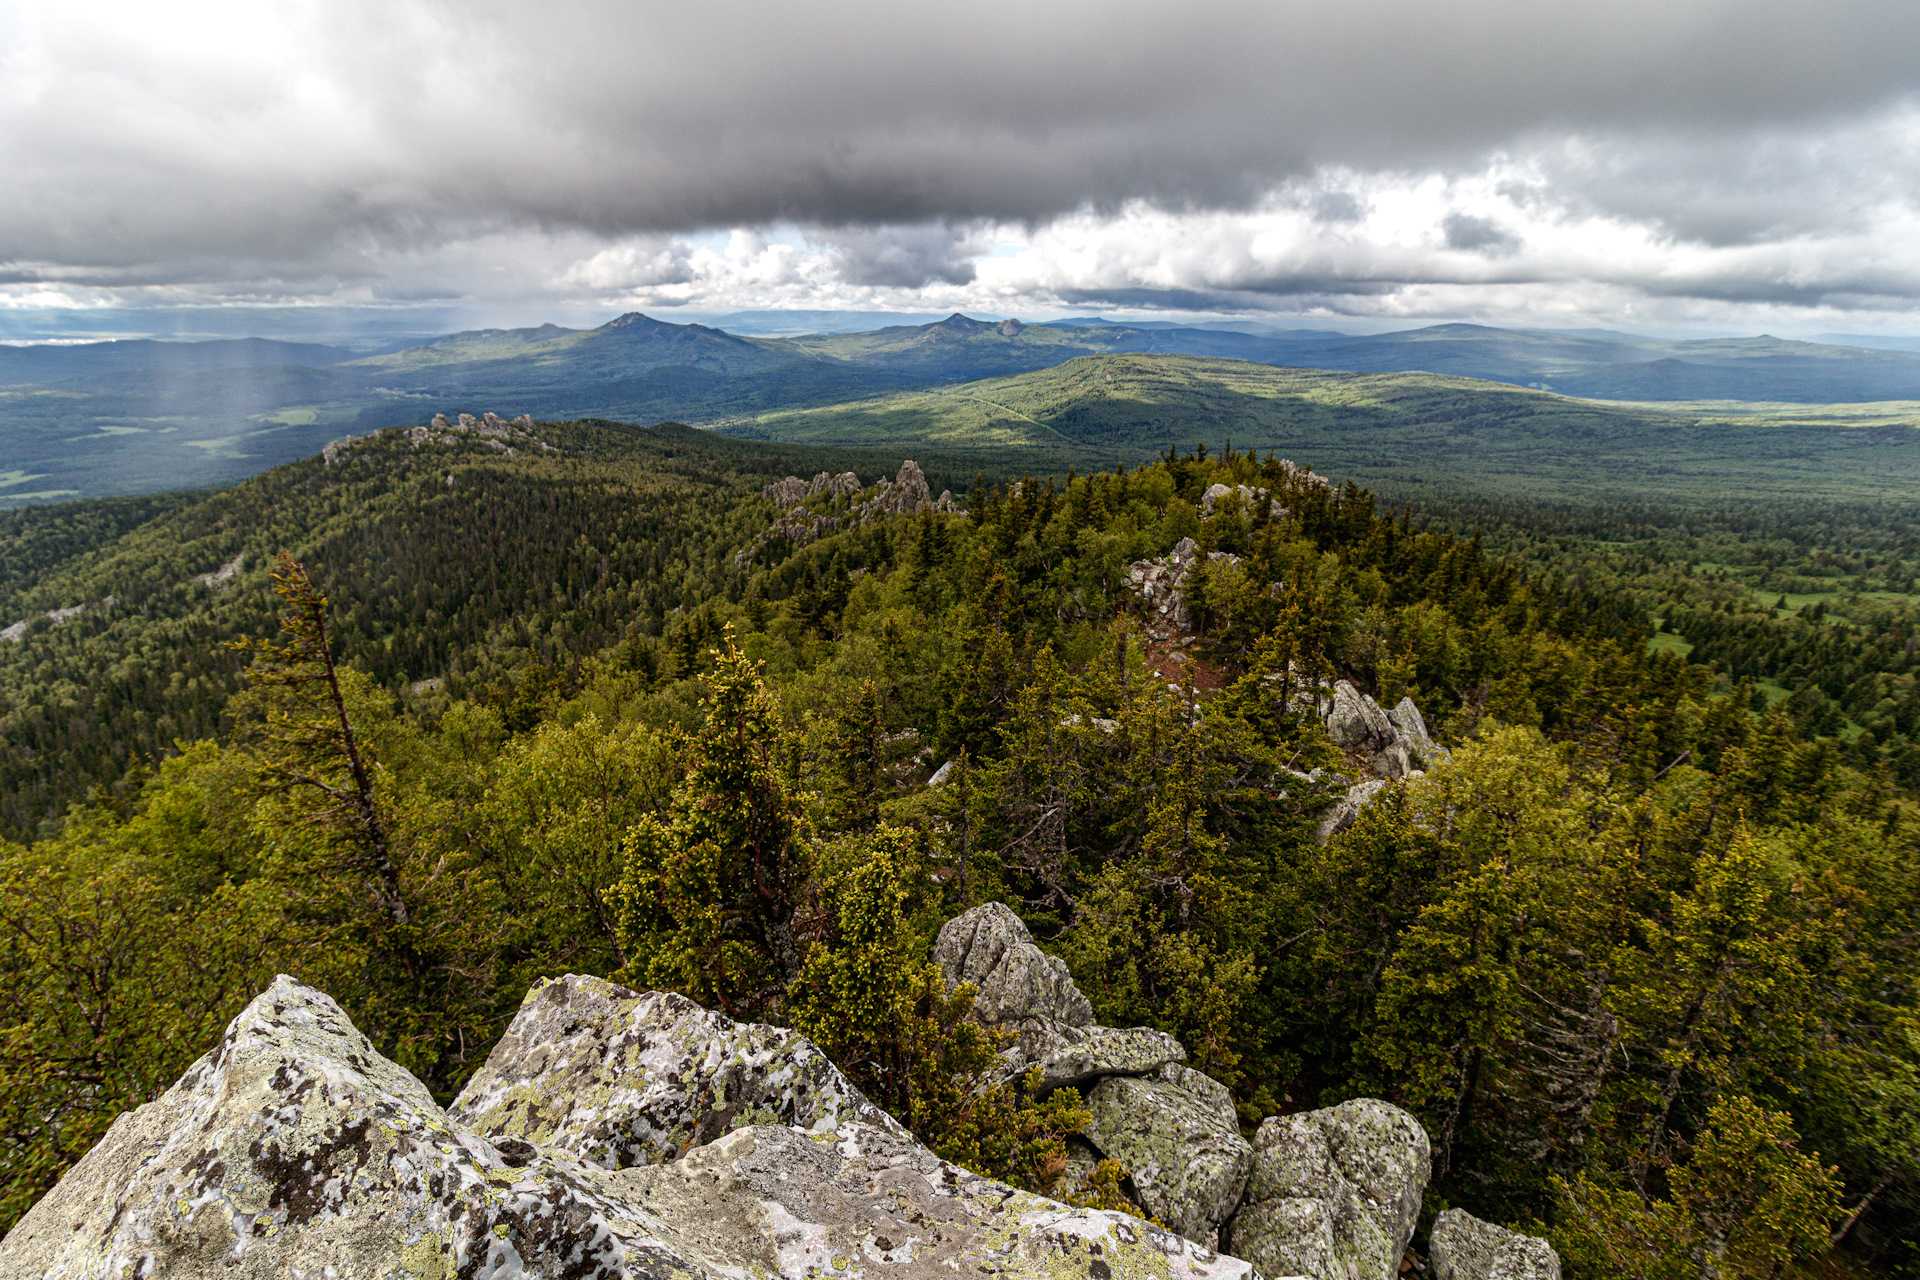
(1176, 1132)
(13, 633)
(811, 509)
(1357, 725)
(1218, 493)
(1160, 584)
(503, 435)
(615, 1133)
(1299, 475)
(1348, 807)
(224, 574)
(903, 495)
(602, 1072)
(489, 429)
(1018, 986)
(1333, 1194)
(1462, 1247)
(793, 490)
(1412, 728)
(294, 1149)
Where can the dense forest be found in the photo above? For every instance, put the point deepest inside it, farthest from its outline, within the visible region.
(1810, 605)
(1641, 955)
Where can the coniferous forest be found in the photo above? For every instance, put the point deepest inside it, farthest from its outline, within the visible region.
(427, 719)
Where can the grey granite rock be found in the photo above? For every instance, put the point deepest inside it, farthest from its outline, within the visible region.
(295, 1150)
(1462, 1247)
(1020, 987)
(1348, 807)
(1178, 1136)
(622, 1078)
(1333, 1194)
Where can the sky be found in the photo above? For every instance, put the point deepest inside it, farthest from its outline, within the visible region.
(1679, 165)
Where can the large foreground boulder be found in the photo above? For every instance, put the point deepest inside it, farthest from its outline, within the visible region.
(295, 1150)
(1334, 1194)
(1464, 1248)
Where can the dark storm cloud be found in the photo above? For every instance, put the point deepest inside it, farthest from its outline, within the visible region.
(331, 145)
(902, 257)
(1477, 235)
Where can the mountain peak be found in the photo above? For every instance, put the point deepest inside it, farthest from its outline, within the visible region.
(634, 320)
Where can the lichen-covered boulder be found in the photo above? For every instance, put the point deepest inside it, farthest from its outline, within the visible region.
(1333, 1194)
(621, 1078)
(1462, 1247)
(1086, 1054)
(293, 1149)
(771, 1201)
(1179, 1138)
(1020, 987)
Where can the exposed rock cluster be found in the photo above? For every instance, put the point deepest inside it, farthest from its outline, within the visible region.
(224, 574)
(1161, 584)
(1332, 1194)
(1390, 745)
(615, 1133)
(15, 632)
(793, 490)
(611, 1134)
(489, 429)
(1217, 493)
(812, 509)
(1395, 743)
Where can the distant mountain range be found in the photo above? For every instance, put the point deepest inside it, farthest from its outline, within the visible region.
(1406, 434)
(135, 416)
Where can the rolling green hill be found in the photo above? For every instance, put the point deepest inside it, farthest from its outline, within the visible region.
(1404, 433)
(132, 417)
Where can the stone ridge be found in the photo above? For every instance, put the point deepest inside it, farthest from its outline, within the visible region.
(294, 1149)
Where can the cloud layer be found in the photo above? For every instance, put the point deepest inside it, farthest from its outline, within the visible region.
(1681, 162)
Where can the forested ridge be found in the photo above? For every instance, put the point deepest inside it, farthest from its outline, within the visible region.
(457, 565)
(1640, 956)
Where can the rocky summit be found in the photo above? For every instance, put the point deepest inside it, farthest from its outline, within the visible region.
(615, 1133)
(612, 1134)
